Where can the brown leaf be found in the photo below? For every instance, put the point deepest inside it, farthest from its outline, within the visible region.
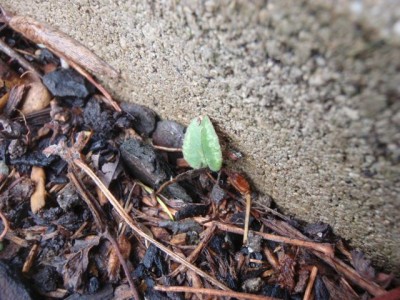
(113, 260)
(286, 271)
(178, 239)
(78, 262)
(302, 281)
(15, 97)
(337, 290)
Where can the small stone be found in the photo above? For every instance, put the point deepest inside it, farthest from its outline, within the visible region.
(169, 134)
(252, 285)
(144, 118)
(68, 198)
(217, 194)
(149, 167)
(11, 286)
(254, 242)
(66, 83)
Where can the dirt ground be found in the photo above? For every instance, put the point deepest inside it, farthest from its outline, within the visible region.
(309, 93)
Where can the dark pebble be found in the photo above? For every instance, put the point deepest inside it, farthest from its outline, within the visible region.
(46, 279)
(94, 285)
(217, 194)
(11, 286)
(101, 121)
(68, 198)
(190, 211)
(144, 119)
(149, 167)
(66, 83)
(169, 134)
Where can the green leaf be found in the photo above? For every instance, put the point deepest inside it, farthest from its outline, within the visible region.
(201, 146)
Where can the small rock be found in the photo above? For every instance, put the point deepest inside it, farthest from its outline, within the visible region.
(254, 242)
(66, 83)
(37, 98)
(4, 170)
(217, 194)
(11, 286)
(46, 279)
(252, 285)
(144, 118)
(146, 165)
(68, 198)
(16, 148)
(169, 134)
(98, 119)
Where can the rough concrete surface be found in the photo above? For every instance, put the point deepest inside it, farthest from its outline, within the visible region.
(309, 91)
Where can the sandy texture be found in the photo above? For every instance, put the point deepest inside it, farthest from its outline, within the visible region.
(310, 94)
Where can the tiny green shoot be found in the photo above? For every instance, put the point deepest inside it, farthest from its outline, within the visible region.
(201, 147)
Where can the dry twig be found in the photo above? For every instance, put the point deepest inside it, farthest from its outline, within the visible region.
(313, 275)
(326, 249)
(22, 61)
(348, 272)
(211, 292)
(167, 149)
(31, 257)
(6, 226)
(99, 217)
(193, 256)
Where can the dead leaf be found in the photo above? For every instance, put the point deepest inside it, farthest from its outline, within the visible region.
(38, 198)
(178, 239)
(286, 271)
(16, 95)
(78, 262)
(337, 290)
(113, 261)
(302, 281)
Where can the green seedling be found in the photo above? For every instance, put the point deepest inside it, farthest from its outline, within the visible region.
(201, 146)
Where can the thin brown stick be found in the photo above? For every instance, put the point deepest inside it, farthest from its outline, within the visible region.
(183, 176)
(10, 236)
(247, 196)
(91, 203)
(313, 275)
(6, 226)
(108, 98)
(271, 258)
(211, 292)
(31, 257)
(193, 256)
(120, 210)
(98, 216)
(22, 61)
(4, 182)
(327, 249)
(337, 264)
(122, 261)
(167, 149)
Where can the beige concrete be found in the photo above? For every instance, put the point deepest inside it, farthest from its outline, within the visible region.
(310, 93)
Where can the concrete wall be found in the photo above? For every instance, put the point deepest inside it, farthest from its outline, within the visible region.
(308, 91)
